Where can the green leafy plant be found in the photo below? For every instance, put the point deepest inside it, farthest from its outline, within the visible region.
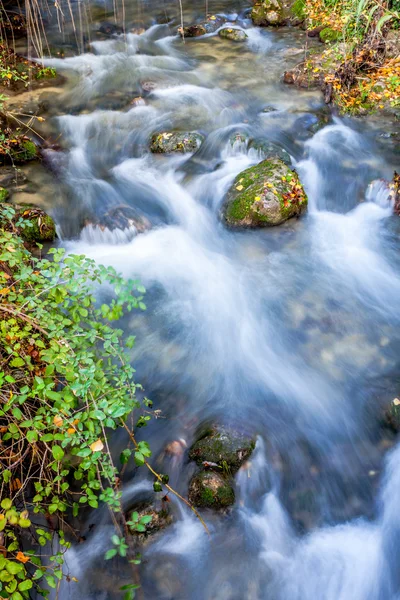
(65, 380)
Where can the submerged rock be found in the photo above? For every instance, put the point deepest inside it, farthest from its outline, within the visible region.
(267, 194)
(123, 217)
(109, 28)
(268, 12)
(222, 448)
(160, 519)
(208, 489)
(167, 142)
(235, 35)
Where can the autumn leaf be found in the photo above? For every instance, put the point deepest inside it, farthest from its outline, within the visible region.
(239, 188)
(97, 446)
(70, 430)
(58, 421)
(21, 557)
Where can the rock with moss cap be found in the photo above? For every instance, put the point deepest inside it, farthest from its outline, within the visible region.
(268, 12)
(24, 152)
(208, 489)
(168, 142)
(235, 35)
(267, 194)
(328, 35)
(222, 448)
(40, 226)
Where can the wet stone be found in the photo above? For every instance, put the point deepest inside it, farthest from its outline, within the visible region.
(268, 12)
(235, 35)
(167, 142)
(222, 447)
(267, 194)
(211, 490)
(160, 519)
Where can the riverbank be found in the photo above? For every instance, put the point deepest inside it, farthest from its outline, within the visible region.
(358, 71)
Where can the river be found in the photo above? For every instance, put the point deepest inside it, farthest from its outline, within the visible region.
(289, 333)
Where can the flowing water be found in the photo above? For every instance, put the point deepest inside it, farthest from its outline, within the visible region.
(290, 334)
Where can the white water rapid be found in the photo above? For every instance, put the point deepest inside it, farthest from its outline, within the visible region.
(290, 332)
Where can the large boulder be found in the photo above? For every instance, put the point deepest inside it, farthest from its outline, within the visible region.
(222, 448)
(208, 489)
(235, 35)
(268, 12)
(167, 142)
(267, 194)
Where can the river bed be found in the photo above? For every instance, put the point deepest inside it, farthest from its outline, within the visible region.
(289, 333)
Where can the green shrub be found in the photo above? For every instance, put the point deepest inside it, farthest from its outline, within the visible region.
(65, 380)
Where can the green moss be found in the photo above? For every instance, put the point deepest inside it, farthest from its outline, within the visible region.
(25, 151)
(299, 9)
(251, 198)
(4, 194)
(30, 150)
(207, 496)
(225, 495)
(329, 35)
(41, 228)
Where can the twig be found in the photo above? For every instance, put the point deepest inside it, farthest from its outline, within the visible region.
(169, 488)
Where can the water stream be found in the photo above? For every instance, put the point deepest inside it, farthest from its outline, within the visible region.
(290, 333)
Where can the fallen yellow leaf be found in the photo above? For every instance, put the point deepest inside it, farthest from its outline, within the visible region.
(57, 421)
(97, 446)
(239, 188)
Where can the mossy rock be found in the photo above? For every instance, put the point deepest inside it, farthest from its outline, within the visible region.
(4, 194)
(42, 227)
(268, 12)
(192, 31)
(267, 194)
(25, 151)
(328, 35)
(208, 489)
(235, 35)
(225, 449)
(168, 142)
